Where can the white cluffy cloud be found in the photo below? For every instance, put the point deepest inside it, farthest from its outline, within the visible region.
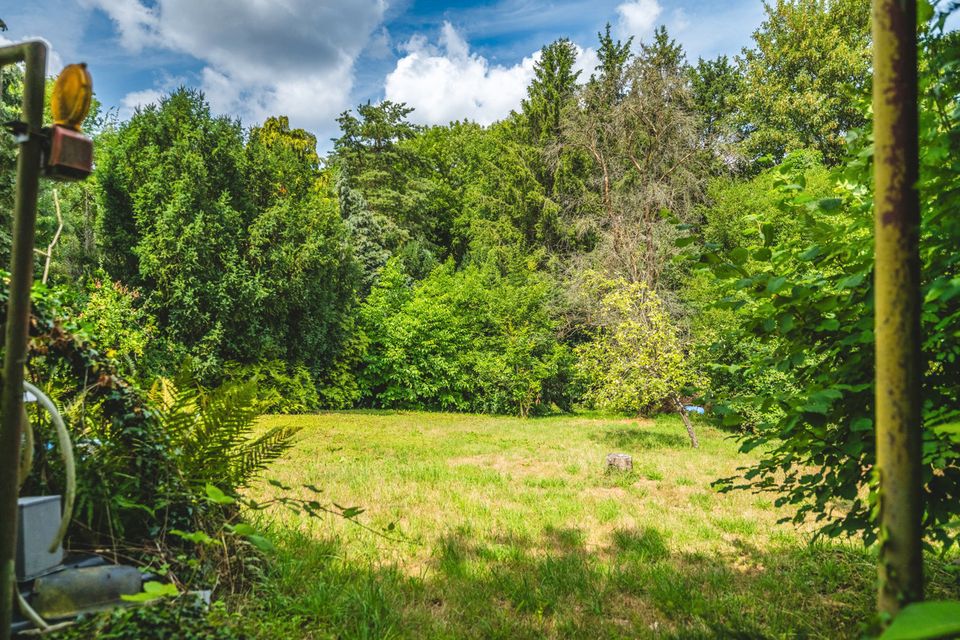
(447, 82)
(137, 99)
(637, 17)
(260, 58)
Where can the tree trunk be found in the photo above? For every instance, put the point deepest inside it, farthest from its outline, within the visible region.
(686, 422)
(897, 296)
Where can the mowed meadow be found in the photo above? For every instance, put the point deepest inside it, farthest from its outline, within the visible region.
(512, 528)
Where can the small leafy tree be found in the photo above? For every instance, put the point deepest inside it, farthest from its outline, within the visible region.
(467, 340)
(634, 360)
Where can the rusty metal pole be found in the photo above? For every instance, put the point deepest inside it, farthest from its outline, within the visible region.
(897, 290)
(34, 54)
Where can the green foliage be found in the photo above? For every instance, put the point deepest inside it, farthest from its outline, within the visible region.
(152, 590)
(239, 250)
(142, 464)
(372, 160)
(551, 90)
(128, 335)
(808, 298)
(283, 161)
(367, 234)
(210, 433)
(634, 360)
(467, 340)
(925, 621)
(716, 86)
(280, 389)
(122, 470)
(807, 77)
(11, 95)
(304, 305)
(186, 618)
(737, 209)
(608, 82)
(639, 134)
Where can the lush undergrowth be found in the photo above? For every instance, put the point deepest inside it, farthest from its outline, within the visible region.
(512, 529)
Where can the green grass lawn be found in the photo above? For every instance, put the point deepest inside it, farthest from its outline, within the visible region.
(515, 530)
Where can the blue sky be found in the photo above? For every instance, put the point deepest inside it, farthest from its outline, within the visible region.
(311, 59)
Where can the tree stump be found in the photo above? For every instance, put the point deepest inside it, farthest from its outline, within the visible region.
(619, 462)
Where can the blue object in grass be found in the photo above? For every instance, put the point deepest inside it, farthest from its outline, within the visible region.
(692, 408)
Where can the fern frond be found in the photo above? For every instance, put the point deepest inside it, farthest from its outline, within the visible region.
(256, 455)
(210, 432)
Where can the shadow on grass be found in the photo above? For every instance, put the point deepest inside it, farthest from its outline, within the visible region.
(558, 586)
(639, 438)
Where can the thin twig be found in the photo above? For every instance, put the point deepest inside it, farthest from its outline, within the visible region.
(48, 254)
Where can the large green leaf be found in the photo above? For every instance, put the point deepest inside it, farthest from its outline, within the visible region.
(925, 621)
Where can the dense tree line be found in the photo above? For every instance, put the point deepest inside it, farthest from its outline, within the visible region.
(657, 232)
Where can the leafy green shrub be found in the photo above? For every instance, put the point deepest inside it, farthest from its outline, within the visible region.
(634, 360)
(281, 388)
(126, 332)
(239, 250)
(185, 618)
(142, 463)
(118, 440)
(736, 209)
(467, 340)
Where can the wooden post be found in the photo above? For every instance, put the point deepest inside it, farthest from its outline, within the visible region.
(897, 291)
(34, 54)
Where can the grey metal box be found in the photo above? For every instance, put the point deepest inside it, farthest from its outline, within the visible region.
(39, 520)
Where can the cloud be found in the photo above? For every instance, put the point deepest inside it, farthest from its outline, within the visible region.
(587, 62)
(679, 21)
(136, 24)
(260, 58)
(446, 82)
(135, 99)
(637, 17)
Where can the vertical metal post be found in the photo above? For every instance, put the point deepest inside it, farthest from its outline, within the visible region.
(34, 54)
(897, 287)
